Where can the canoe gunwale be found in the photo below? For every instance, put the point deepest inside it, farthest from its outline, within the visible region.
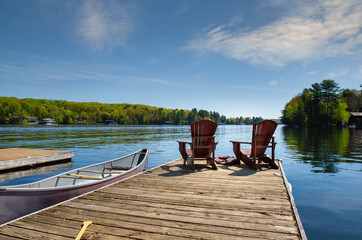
(111, 176)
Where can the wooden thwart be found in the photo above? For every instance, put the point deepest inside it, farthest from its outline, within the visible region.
(81, 176)
(172, 202)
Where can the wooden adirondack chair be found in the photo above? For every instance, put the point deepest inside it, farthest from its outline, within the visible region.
(203, 143)
(262, 139)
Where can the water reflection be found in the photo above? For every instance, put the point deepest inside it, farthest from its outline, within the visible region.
(323, 148)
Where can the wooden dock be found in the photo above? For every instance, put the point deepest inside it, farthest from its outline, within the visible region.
(172, 202)
(39, 170)
(11, 158)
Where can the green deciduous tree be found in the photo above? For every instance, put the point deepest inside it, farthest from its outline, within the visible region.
(321, 104)
(294, 112)
(340, 115)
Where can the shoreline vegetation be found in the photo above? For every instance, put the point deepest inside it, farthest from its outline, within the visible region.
(31, 111)
(324, 104)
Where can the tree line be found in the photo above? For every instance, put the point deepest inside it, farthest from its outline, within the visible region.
(19, 111)
(322, 104)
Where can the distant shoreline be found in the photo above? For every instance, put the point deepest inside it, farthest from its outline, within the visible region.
(29, 110)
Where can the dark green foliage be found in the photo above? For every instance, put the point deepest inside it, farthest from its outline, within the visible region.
(322, 104)
(353, 98)
(17, 111)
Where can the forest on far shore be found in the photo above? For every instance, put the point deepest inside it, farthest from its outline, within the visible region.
(322, 104)
(20, 111)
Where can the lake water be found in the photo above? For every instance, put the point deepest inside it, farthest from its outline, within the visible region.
(324, 166)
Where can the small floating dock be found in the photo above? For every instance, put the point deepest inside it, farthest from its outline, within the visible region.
(39, 170)
(172, 202)
(12, 158)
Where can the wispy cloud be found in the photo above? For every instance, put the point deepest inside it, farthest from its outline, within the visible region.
(336, 74)
(9, 69)
(43, 72)
(334, 29)
(144, 79)
(273, 83)
(312, 72)
(265, 89)
(48, 73)
(106, 24)
(199, 76)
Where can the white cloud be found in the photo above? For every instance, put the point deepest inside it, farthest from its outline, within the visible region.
(106, 24)
(273, 83)
(333, 30)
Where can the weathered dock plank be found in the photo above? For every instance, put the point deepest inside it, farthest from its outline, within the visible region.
(171, 202)
(11, 158)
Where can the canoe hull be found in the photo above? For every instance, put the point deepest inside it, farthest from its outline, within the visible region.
(15, 204)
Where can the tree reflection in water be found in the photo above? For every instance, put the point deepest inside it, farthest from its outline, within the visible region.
(324, 148)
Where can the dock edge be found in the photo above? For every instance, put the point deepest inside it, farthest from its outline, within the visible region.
(294, 206)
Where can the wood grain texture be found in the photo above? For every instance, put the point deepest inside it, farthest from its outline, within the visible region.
(173, 202)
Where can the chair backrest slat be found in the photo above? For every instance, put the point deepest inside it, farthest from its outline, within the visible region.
(262, 133)
(202, 128)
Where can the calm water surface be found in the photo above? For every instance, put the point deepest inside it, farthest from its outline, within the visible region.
(324, 166)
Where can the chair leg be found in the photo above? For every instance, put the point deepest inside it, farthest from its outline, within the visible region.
(213, 163)
(214, 166)
(242, 157)
(189, 162)
(248, 162)
(236, 149)
(270, 161)
(182, 149)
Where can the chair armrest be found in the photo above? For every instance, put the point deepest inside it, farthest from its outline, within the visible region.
(272, 143)
(184, 142)
(240, 142)
(183, 150)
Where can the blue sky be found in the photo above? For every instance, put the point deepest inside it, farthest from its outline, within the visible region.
(239, 58)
